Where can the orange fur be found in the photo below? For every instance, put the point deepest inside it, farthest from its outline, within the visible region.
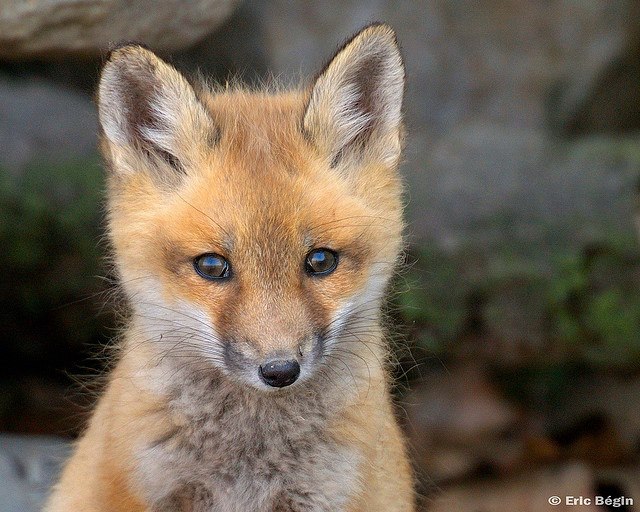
(259, 179)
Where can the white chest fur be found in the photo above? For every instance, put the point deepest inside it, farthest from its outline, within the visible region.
(237, 452)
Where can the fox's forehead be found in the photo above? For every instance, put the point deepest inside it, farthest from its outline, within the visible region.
(253, 126)
(269, 201)
(262, 175)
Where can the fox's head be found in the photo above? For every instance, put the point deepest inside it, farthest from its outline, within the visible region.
(255, 233)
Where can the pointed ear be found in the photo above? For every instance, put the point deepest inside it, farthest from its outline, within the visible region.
(354, 109)
(149, 111)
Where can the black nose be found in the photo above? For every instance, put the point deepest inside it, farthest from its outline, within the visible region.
(278, 373)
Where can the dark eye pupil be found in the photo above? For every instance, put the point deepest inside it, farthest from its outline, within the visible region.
(211, 266)
(321, 261)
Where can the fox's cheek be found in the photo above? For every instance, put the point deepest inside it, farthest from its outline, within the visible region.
(179, 327)
(356, 307)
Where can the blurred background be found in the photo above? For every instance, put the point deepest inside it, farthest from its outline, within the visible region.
(519, 308)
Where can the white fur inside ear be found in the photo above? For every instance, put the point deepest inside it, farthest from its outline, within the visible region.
(349, 121)
(167, 132)
(355, 104)
(148, 109)
(111, 108)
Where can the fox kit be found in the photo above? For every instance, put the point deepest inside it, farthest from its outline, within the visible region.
(254, 235)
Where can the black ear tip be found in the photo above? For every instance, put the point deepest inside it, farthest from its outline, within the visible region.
(382, 25)
(116, 47)
(369, 29)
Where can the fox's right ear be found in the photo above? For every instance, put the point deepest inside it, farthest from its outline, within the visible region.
(150, 113)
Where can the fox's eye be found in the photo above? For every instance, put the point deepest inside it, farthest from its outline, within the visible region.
(321, 262)
(212, 266)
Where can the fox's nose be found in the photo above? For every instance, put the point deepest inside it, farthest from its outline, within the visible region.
(279, 373)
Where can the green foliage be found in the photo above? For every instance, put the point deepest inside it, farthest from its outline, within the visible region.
(431, 296)
(49, 234)
(582, 305)
(538, 386)
(594, 303)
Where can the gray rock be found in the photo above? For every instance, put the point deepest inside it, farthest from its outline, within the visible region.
(28, 468)
(598, 93)
(42, 121)
(474, 174)
(48, 27)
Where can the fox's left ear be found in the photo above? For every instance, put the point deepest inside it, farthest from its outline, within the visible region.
(354, 109)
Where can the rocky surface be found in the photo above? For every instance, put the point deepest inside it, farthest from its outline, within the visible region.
(45, 28)
(28, 468)
(44, 122)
